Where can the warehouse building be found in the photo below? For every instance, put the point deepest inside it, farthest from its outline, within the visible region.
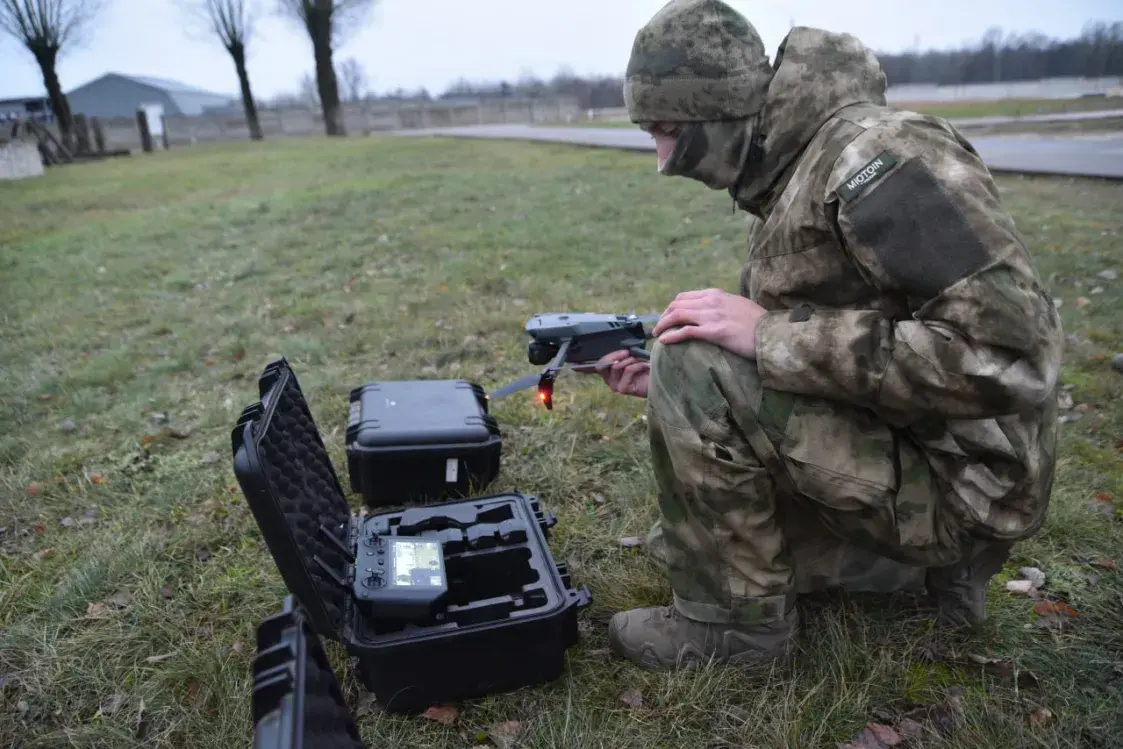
(119, 95)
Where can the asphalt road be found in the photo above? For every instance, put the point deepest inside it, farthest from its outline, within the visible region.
(1080, 155)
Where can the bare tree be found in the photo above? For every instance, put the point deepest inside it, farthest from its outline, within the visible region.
(232, 22)
(354, 79)
(48, 28)
(327, 22)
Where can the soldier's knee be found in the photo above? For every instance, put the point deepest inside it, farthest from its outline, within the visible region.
(693, 381)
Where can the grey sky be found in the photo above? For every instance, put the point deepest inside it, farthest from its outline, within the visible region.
(413, 43)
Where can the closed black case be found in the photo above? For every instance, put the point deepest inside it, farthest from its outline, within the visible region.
(419, 441)
(510, 611)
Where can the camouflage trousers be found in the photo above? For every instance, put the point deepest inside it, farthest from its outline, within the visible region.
(764, 495)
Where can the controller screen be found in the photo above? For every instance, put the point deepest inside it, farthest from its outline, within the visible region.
(416, 564)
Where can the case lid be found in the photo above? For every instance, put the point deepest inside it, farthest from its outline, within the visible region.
(297, 702)
(404, 413)
(294, 493)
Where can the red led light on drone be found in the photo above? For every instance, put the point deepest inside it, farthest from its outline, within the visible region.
(546, 393)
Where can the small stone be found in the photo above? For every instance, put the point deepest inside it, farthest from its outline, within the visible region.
(159, 418)
(631, 542)
(1068, 418)
(1097, 290)
(1117, 362)
(68, 522)
(1020, 587)
(1082, 408)
(1058, 302)
(1034, 575)
(1064, 401)
(383, 239)
(1082, 301)
(1107, 275)
(211, 458)
(67, 425)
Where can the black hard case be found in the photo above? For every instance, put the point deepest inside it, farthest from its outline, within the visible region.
(296, 700)
(513, 609)
(419, 441)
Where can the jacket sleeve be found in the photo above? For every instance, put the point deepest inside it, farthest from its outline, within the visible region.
(918, 214)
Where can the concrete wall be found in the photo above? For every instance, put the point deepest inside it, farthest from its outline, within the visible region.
(359, 119)
(1049, 88)
(20, 159)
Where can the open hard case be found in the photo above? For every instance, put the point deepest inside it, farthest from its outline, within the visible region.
(502, 617)
(297, 702)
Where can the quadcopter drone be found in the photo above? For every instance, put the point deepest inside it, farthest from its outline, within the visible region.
(576, 341)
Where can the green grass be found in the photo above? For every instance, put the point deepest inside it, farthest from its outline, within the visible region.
(1014, 107)
(163, 283)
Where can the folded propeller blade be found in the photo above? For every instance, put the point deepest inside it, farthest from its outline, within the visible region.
(522, 383)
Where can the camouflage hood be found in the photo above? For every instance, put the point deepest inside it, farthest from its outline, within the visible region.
(702, 64)
(817, 74)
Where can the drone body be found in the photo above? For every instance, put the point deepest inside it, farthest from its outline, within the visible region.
(576, 340)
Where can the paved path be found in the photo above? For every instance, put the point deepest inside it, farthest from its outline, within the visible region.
(1086, 156)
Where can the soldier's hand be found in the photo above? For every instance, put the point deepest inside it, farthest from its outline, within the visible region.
(625, 374)
(724, 319)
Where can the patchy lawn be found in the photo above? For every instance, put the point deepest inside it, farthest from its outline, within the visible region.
(142, 296)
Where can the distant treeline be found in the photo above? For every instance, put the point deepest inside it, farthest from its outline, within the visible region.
(998, 57)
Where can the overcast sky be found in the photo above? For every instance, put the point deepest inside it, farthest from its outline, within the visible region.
(431, 43)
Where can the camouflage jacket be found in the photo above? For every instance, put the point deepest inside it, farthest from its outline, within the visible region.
(896, 280)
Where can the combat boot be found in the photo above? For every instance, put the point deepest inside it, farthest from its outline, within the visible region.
(661, 638)
(960, 590)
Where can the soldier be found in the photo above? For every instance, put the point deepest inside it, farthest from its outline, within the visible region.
(876, 408)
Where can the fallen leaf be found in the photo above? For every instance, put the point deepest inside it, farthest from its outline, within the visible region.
(97, 611)
(45, 553)
(159, 658)
(1106, 563)
(34, 488)
(945, 715)
(209, 362)
(885, 734)
(632, 698)
(1052, 608)
(910, 729)
(1034, 575)
(442, 714)
(96, 478)
(504, 735)
(631, 542)
(1040, 716)
(1082, 301)
(1005, 670)
(179, 433)
(40, 529)
(121, 598)
(192, 688)
(147, 439)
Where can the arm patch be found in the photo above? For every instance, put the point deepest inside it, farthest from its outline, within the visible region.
(920, 237)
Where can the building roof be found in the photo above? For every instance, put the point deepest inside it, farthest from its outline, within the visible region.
(191, 100)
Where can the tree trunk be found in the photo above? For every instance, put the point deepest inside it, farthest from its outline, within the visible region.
(59, 105)
(238, 52)
(325, 76)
